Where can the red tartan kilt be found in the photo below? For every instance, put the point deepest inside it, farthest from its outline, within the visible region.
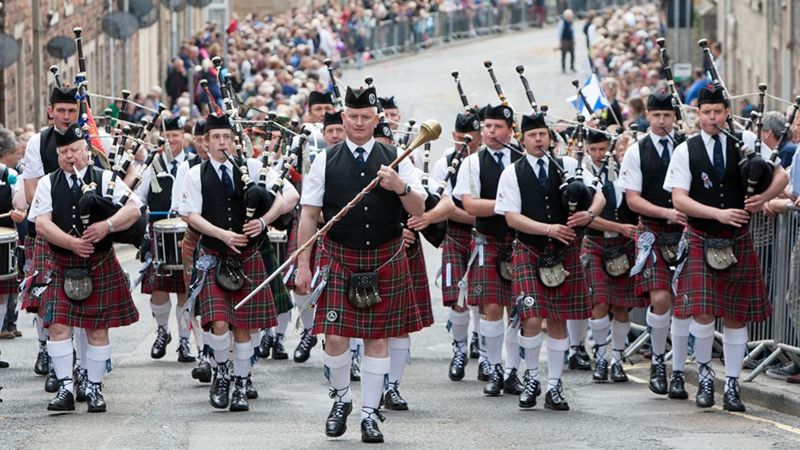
(216, 305)
(738, 293)
(9, 286)
(188, 247)
(37, 257)
(419, 282)
(568, 301)
(165, 281)
(292, 246)
(109, 306)
(484, 284)
(604, 289)
(396, 315)
(658, 276)
(455, 255)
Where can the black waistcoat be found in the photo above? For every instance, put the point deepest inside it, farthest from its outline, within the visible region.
(708, 189)
(47, 149)
(538, 203)
(221, 210)
(653, 174)
(490, 172)
(6, 197)
(378, 218)
(65, 208)
(621, 214)
(161, 201)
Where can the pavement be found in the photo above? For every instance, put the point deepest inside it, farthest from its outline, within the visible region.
(155, 404)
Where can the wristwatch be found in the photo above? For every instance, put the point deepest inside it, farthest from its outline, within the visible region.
(591, 213)
(406, 190)
(110, 226)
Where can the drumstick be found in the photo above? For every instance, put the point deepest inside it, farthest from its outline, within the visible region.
(8, 214)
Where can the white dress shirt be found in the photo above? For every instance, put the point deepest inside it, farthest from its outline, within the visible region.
(32, 161)
(630, 173)
(469, 175)
(508, 194)
(439, 172)
(143, 190)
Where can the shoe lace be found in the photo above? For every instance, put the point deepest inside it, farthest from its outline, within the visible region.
(733, 389)
(659, 366)
(497, 374)
(62, 388)
(305, 340)
(393, 391)
(459, 359)
(557, 393)
(93, 389)
(161, 337)
(183, 347)
(531, 385)
(338, 394)
(706, 375)
(369, 421)
(677, 375)
(624, 358)
(485, 367)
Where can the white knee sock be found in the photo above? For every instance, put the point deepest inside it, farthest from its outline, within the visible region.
(734, 344)
(399, 354)
(555, 360)
(61, 357)
(283, 322)
(207, 343)
(221, 345)
(242, 351)
(81, 345)
(659, 327)
(338, 368)
(533, 348)
(492, 331)
(619, 331)
(356, 347)
(511, 343)
(459, 324)
(41, 332)
(182, 319)
(161, 313)
(96, 357)
(307, 318)
(600, 329)
(197, 332)
(576, 330)
(475, 316)
(373, 370)
(703, 341)
(680, 342)
(255, 340)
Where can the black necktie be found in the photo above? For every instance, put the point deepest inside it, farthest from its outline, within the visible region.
(174, 170)
(542, 173)
(664, 151)
(75, 188)
(499, 156)
(360, 157)
(719, 161)
(226, 180)
(611, 193)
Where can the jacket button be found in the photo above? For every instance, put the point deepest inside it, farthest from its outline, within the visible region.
(367, 242)
(722, 205)
(366, 208)
(366, 226)
(547, 206)
(722, 195)
(362, 174)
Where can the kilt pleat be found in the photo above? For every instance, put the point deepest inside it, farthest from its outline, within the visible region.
(656, 276)
(419, 282)
(455, 255)
(283, 301)
(603, 288)
(37, 257)
(484, 284)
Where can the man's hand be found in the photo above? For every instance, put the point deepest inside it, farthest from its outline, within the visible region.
(627, 230)
(562, 233)
(419, 223)
(754, 203)
(408, 237)
(675, 216)
(579, 219)
(253, 228)
(81, 247)
(17, 216)
(233, 240)
(733, 217)
(302, 280)
(96, 232)
(390, 180)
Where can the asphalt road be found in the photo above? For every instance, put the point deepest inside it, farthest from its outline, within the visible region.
(155, 404)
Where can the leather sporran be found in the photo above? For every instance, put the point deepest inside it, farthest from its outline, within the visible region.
(551, 270)
(615, 261)
(504, 264)
(719, 253)
(668, 243)
(362, 289)
(77, 283)
(230, 275)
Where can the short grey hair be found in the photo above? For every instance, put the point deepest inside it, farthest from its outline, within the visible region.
(775, 121)
(8, 142)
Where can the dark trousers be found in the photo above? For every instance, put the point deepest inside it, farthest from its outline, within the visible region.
(11, 312)
(567, 46)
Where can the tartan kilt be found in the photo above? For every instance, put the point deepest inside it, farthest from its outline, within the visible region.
(166, 281)
(37, 258)
(396, 315)
(604, 289)
(455, 255)
(283, 301)
(656, 276)
(188, 249)
(109, 306)
(419, 282)
(484, 284)
(9, 286)
(568, 301)
(738, 293)
(217, 304)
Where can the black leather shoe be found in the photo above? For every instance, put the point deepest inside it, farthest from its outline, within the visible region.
(336, 424)
(495, 385)
(600, 374)
(265, 346)
(554, 399)
(184, 353)
(732, 400)
(252, 393)
(94, 397)
(160, 344)
(618, 374)
(220, 389)
(512, 385)
(42, 366)
(355, 370)
(677, 386)
(303, 350)
(484, 371)
(579, 360)
(81, 383)
(239, 396)
(370, 433)
(278, 351)
(202, 372)
(705, 388)
(658, 375)
(4, 364)
(64, 400)
(474, 347)
(527, 399)
(51, 383)
(392, 398)
(457, 366)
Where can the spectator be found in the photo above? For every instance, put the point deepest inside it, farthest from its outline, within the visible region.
(176, 83)
(773, 123)
(566, 36)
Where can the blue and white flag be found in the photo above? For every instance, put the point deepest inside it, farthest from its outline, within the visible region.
(594, 95)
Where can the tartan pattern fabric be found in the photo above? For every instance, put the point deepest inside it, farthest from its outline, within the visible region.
(110, 305)
(419, 282)
(283, 301)
(188, 250)
(292, 246)
(484, 284)
(9, 286)
(656, 276)
(534, 299)
(737, 293)
(397, 313)
(37, 257)
(604, 289)
(164, 280)
(217, 304)
(455, 255)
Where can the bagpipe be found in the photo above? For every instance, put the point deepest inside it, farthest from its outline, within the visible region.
(677, 104)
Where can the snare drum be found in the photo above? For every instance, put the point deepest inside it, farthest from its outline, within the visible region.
(168, 234)
(280, 240)
(8, 253)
